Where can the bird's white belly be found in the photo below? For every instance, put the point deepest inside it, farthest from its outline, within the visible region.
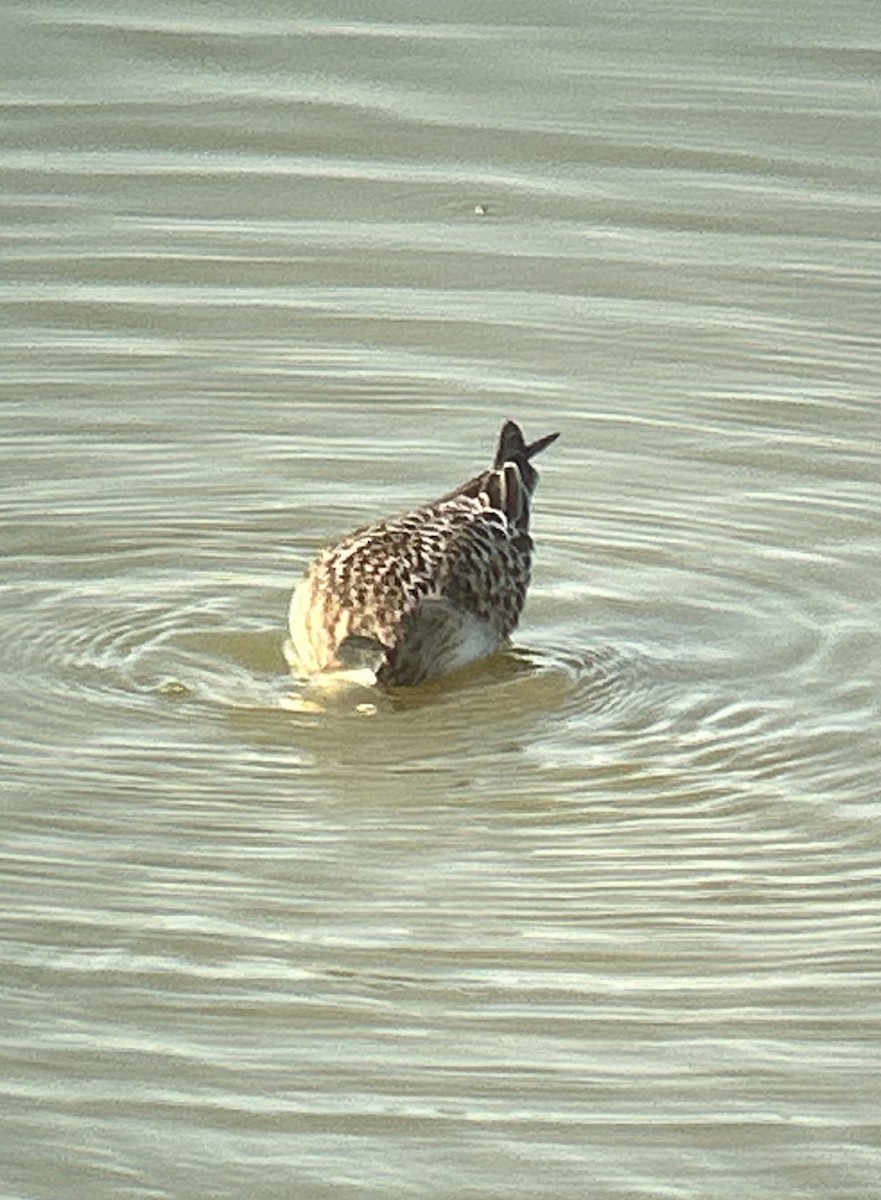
(476, 640)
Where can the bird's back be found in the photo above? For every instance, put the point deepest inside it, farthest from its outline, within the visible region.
(419, 594)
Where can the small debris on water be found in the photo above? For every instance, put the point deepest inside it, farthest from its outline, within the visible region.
(173, 689)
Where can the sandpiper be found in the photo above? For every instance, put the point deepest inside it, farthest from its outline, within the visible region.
(420, 594)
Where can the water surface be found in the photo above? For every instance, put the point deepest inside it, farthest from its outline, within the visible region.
(599, 917)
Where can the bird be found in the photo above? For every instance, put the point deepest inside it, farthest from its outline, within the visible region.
(421, 594)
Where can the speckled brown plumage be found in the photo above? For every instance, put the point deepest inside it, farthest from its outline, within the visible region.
(419, 594)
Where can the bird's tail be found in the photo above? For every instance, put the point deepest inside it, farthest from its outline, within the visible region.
(510, 484)
(513, 448)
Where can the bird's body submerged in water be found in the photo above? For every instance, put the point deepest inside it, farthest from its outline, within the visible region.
(420, 594)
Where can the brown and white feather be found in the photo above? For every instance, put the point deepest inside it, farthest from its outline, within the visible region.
(424, 592)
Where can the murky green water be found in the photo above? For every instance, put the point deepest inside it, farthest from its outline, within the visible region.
(599, 918)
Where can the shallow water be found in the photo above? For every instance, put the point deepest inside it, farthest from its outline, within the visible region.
(599, 917)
